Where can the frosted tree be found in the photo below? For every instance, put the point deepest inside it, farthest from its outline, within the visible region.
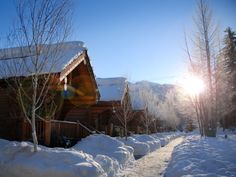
(149, 102)
(186, 106)
(39, 24)
(203, 64)
(167, 110)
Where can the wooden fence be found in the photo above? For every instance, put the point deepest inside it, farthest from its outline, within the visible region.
(10, 129)
(65, 130)
(50, 133)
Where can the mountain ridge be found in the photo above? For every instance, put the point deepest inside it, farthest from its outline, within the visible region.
(159, 89)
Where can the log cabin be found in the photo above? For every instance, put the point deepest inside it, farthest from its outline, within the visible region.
(75, 86)
(114, 92)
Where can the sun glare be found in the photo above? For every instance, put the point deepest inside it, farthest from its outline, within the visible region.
(193, 85)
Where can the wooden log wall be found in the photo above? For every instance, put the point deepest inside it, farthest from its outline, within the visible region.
(4, 104)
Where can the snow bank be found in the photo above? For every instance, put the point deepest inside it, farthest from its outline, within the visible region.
(143, 144)
(198, 156)
(109, 165)
(163, 140)
(96, 155)
(107, 151)
(166, 137)
(153, 143)
(17, 159)
(140, 148)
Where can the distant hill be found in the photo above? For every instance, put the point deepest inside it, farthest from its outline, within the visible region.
(160, 90)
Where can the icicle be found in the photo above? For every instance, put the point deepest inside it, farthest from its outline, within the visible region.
(65, 84)
(85, 62)
(113, 109)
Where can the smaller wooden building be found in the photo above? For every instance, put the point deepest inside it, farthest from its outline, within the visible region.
(114, 92)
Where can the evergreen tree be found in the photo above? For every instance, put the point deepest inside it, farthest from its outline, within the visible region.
(230, 67)
(230, 55)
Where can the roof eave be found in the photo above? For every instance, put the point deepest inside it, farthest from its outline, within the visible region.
(68, 69)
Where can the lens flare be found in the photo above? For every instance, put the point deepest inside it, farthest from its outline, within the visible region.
(193, 85)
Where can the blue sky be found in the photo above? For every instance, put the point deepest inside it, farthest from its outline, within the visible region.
(138, 39)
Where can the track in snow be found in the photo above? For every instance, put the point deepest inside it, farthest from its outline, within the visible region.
(153, 164)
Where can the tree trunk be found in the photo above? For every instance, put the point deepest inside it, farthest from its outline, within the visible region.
(125, 129)
(34, 134)
(147, 128)
(210, 121)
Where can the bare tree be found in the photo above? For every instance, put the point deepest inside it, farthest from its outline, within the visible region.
(191, 107)
(40, 23)
(203, 64)
(124, 112)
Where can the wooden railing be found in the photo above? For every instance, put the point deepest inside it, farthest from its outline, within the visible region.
(69, 130)
(50, 133)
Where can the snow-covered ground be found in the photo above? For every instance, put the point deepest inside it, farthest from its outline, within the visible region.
(18, 160)
(153, 164)
(96, 155)
(209, 157)
(195, 156)
(104, 156)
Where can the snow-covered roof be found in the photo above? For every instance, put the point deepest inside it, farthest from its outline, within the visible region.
(55, 58)
(112, 89)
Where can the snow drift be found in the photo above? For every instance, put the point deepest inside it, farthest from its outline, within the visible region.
(107, 151)
(153, 143)
(198, 156)
(163, 140)
(17, 159)
(140, 148)
(144, 144)
(96, 155)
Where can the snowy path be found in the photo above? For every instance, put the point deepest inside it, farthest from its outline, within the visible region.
(153, 164)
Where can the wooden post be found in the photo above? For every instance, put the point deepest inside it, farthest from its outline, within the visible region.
(96, 124)
(23, 129)
(89, 115)
(106, 129)
(59, 129)
(47, 132)
(137, 130)
(110, 129)
(121, 132)
(78, 130)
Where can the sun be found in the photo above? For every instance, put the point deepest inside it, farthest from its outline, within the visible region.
(193, 85)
